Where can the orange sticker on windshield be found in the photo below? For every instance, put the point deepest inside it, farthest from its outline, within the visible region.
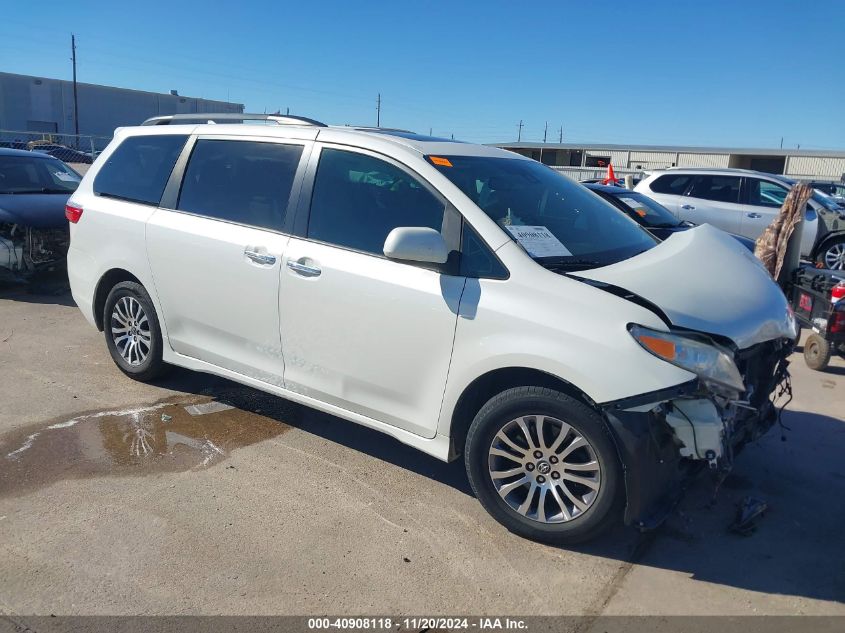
(640, 213)
(439, 160)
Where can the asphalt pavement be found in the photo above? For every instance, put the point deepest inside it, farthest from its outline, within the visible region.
(199, 496)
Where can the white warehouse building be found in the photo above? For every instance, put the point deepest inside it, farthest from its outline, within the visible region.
(589, 160)
(39, 107)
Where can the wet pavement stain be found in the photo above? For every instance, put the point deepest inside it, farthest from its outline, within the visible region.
(173, 435)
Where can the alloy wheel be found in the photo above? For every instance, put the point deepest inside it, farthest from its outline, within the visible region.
(544, 469)
(834, 257)
(130, 330)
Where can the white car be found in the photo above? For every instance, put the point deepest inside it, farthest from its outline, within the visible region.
(745, 202)
(460, 298)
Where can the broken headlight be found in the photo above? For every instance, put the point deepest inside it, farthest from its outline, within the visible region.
(713, 364)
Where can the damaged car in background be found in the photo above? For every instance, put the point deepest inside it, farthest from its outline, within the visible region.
(34, 235)
(460, 298)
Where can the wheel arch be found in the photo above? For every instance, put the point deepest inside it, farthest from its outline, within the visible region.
(108, 281)
(833, 236)
(484, 387)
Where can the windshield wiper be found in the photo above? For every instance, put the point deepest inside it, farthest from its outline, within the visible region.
(665, 225)
(571, 264)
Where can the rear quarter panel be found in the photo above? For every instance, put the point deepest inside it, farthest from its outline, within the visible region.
(110, 235)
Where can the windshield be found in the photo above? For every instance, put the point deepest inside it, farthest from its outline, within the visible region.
(826, 201)
(558, 222)
(36, 174)
(649, 212)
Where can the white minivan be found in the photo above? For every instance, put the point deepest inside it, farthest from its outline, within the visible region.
(460, 298)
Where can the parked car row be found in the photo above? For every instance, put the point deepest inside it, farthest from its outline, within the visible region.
(377, 260)
(650, 213)
(745, 202)
(56, 150)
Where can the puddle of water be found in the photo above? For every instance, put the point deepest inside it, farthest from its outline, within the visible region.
(173, 435)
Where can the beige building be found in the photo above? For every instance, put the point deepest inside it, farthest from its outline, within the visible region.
(592, 158)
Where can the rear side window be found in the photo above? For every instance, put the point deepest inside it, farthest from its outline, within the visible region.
(358, 200)
(139, 168)
(247, 182)
(674, 184)
(763, 193)
(717, 188)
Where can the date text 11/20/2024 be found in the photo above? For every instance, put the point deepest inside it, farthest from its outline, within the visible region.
(417, 623)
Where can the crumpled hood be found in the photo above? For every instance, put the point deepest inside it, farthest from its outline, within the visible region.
(37, 210)
(705, 280)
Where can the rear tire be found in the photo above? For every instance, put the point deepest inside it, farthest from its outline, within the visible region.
(573, 471)
(132, 331)
(817, 352)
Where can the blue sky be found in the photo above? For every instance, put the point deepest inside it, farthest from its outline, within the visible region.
(705, 72)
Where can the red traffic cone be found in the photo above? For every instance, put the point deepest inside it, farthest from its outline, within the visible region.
(611, 177)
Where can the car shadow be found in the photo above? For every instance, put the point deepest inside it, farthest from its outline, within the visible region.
(831, 369)
(46, 288)
(323, 425)
(796, 548)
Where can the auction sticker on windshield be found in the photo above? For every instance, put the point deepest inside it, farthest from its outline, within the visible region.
(538, 241)
(636, 205)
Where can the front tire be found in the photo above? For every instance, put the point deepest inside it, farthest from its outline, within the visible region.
(132, 331)
(544, 465)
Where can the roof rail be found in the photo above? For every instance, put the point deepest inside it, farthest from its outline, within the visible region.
(365, 128)
(227, 117)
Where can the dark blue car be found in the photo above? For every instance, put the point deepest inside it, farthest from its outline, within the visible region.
(34, 236)
(651, 215)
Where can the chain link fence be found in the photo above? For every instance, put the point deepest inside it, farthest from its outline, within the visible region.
(598, 173)
(78, 151)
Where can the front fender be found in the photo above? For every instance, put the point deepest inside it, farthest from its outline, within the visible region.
(584, 342)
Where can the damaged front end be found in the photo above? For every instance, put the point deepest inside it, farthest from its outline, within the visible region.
(666, 437)
(25, 250)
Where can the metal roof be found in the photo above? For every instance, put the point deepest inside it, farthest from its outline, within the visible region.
(676, 148)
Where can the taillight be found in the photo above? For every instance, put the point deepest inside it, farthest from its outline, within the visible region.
(838, 292)
(73, 213)
(836, 323)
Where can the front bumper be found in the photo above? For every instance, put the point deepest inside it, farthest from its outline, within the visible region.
(663, 438)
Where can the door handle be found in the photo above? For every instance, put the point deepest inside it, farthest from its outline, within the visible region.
(754, 215)
(688, 207)
(304, 269)
(260, 258)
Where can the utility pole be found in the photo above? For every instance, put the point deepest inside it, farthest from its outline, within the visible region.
(287, 110)
(75, 102)
(561, 135)
(429, 132)
(781, 142)
(519, 134)
(378, 110)
(545, 131)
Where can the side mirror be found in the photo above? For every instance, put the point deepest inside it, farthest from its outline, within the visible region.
(416, 244)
